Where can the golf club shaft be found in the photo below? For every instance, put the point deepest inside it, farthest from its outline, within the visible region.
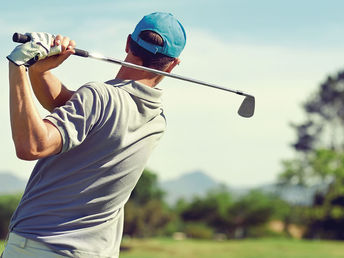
(22, 38)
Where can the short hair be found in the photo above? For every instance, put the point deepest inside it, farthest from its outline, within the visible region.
(156, 61)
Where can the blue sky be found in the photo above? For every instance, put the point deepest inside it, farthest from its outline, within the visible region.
(279, 51)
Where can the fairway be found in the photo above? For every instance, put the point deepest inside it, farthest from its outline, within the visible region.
(262, 248)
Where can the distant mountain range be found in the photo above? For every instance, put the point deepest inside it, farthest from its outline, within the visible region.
(189, 185)
(199, 184)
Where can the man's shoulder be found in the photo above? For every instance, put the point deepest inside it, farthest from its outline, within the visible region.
(106, 91)
(100, 88)
(94, 85)
(112, 85)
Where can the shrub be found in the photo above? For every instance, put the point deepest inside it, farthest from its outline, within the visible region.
(8, 204)
(198, 230)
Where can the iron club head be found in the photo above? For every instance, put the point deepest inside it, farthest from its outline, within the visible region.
(246, 108)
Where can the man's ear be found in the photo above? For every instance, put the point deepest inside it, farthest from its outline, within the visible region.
(173, 64)
(127, 44)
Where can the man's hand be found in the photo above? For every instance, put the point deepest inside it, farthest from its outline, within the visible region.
(40, 46)
(66, 47)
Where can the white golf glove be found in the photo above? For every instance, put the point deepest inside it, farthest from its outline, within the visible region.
(38, 48)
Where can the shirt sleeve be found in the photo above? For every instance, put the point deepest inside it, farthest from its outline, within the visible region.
(77, 117)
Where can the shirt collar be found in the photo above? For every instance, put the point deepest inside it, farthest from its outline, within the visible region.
(138, 89)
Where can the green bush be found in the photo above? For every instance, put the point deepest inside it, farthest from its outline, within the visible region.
(199, 231)
(8, 204)
(146, 220)
(176, 224)
(264, 231)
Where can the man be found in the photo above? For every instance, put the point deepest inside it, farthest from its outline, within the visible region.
(92, 148)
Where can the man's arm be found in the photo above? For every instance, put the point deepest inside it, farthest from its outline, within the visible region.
(48, 89)
(33, 137)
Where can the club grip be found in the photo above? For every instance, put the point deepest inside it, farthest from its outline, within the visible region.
(20, 38)
(80, 52)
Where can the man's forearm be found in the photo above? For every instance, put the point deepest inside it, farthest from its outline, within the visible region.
(29, 132)
(48, 89)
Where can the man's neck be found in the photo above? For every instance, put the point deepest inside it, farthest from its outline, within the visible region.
(143, 77)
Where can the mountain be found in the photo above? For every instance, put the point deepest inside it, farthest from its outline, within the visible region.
(199, 183)
(10, 183)
(187, 186)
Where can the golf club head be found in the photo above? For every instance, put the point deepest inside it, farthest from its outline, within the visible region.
(247, 107)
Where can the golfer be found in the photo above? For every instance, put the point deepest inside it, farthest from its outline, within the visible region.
(91, 148)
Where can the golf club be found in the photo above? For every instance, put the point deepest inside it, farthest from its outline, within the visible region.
(246, 108)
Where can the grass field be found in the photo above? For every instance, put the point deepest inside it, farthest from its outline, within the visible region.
(260, 248)
(1, 246)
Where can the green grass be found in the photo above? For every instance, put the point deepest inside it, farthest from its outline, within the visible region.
(1, 246)
(251, 248)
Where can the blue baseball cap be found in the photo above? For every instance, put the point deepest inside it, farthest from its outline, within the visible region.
(168, 27)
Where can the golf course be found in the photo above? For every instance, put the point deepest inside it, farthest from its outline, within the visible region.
(183, 129)
(257, 248)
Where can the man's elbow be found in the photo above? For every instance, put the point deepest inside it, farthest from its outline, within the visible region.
(26, 154)
(33, 148)
(30, 152)
(27, 150)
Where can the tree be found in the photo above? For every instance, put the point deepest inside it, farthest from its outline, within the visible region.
(251, 211)
(325, 168)
(319, 168)
(326, 216)
(210, 210)
(235, 218)
(320, 141)
(146, 214)
(146, 189)
(146, 220)
(8, 204)
(323, 127)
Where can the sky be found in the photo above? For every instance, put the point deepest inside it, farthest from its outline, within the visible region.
(278, 51)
